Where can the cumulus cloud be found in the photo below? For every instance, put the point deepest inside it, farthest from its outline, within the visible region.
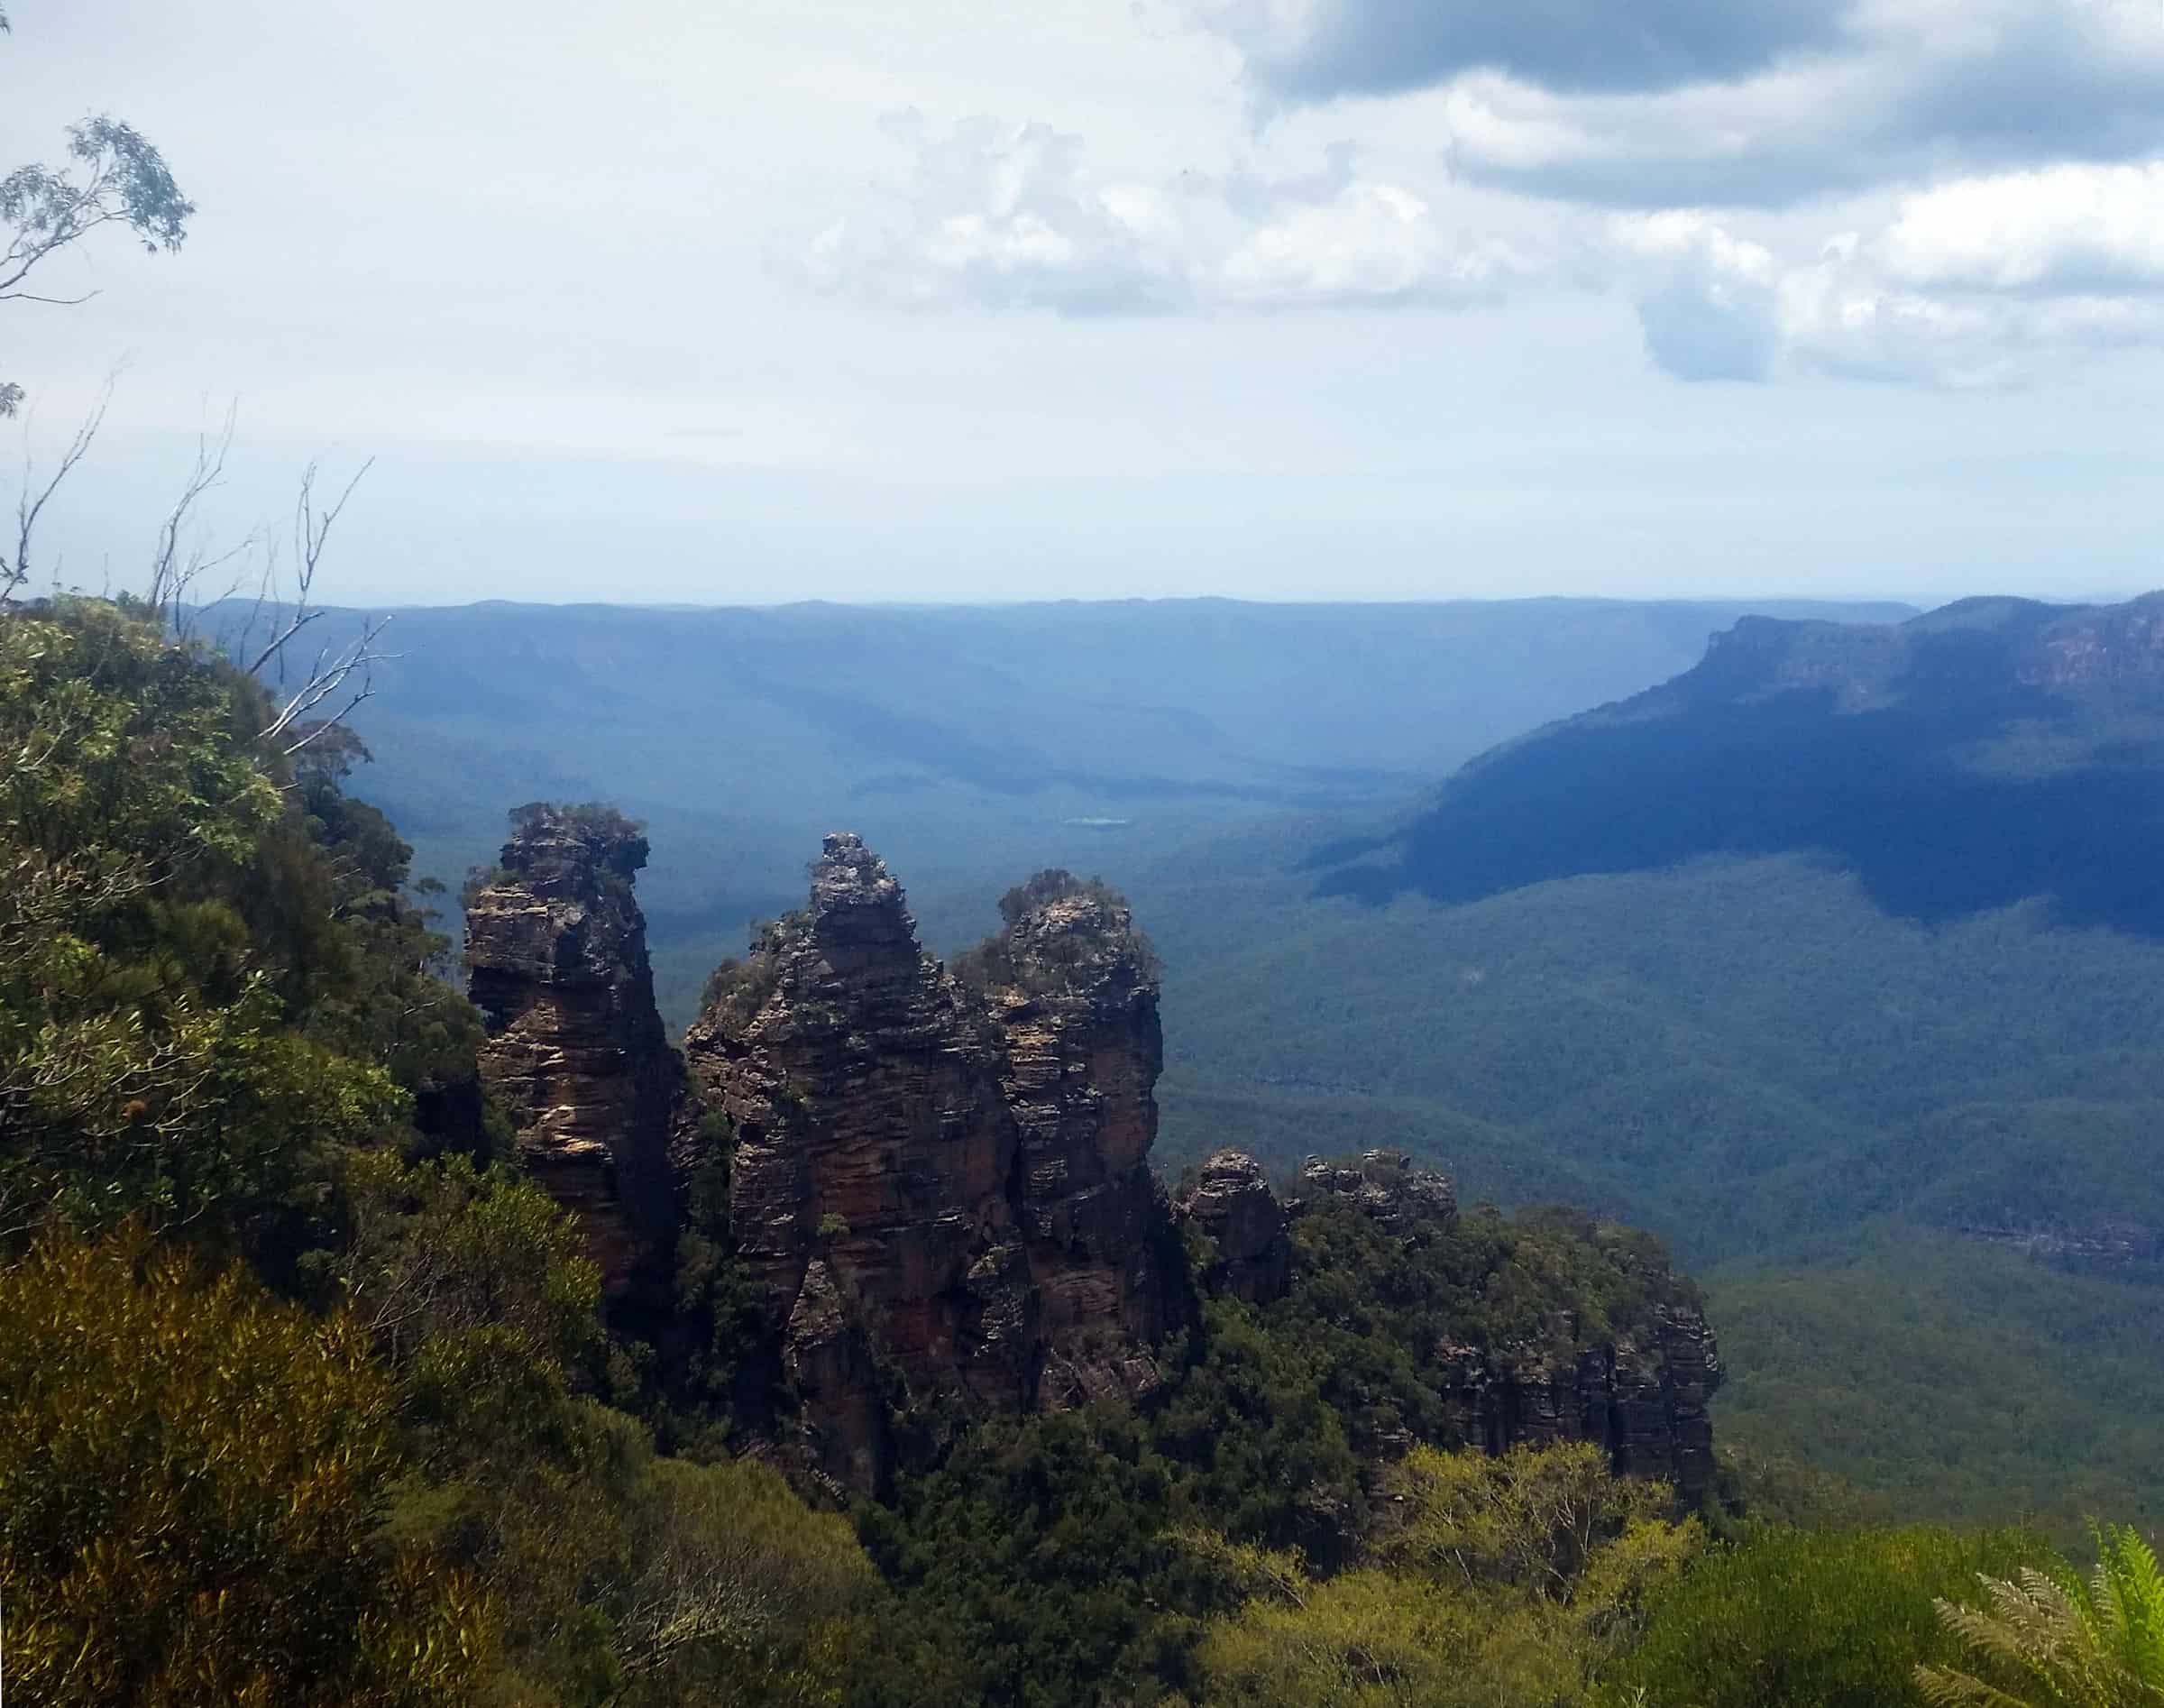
(1003, 216)
(1000, 216)
(1990, 281)
(1311, 49)
(2060, 229)
(1979, 280)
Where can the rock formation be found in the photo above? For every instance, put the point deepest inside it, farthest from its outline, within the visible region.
(939, 1179)
(1641, 1394)
(1072, 988)
(942, 1186)
(1643, 1397)
(557, 963)
(1231, 1202)
(1385, 1186)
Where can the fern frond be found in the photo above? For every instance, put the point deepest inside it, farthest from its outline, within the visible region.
(1942, 1687)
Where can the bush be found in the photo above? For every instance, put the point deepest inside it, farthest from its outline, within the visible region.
(1826, 1618)
(192, 1478)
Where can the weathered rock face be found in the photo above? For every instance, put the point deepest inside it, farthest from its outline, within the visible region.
(1642, 1395)
(1073, 988)
(556, 962)
(951, 1180)
(869, 1183)
(1231, 1202)
(1644, 1398)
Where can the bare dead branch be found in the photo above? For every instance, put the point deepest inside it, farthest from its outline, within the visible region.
(348, 674)
(311, 530)
(173, 576)
(31, 500)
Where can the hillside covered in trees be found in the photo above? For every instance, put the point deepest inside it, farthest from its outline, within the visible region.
(317, 1392)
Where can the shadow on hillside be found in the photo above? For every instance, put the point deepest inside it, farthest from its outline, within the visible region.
(1879, 792)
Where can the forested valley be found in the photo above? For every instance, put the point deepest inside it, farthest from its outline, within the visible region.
(315, 1394)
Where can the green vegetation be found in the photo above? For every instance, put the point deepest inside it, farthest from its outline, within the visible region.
(1830, 1619)
(308, 1397)
(1945, 1381)
(191, 1476)
(2052, 1640)
(227, 1073)
(1508, 1580)
(1216, 1545)
(1807, 1098)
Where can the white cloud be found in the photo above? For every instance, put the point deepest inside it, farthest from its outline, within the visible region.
(1007, 216)
(1003, 216)
(2064, 227)
(1992, 280)
(1985, 281)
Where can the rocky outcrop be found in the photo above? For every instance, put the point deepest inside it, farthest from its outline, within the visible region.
(2130, 1249)
(1385, 1186)
(951, 1177)
(557, 963)
(1072, 988)
(872, 1160)
(1231, 1203)
(940, 1182)
(1641, 1392)
(1642, 1396)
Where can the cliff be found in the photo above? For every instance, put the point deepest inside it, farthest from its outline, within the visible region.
(1974, 757)
(941, 1189)
(556, 962)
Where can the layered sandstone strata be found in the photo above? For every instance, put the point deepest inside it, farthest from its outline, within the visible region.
(557, 963)
(954, 1172)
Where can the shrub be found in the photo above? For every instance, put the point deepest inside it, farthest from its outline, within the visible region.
(192, 1479)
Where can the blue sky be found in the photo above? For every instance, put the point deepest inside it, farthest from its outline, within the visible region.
(1270, 297)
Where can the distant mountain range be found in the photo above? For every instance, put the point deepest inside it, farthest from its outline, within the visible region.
(1965, 760)
(969, 744)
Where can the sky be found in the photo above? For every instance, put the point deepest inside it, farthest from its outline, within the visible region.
(671, 300)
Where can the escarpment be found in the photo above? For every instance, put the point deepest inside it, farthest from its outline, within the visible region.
(556, 962)
(939, 1183)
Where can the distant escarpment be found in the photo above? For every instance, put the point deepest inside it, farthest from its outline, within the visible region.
(1545, 1329)
(556, 962)
(1969, 759)
(939, 1186)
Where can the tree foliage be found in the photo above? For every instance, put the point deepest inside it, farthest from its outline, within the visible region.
(149, 1063)
(1811, 1618)
(192, 1478)
(1508, 1580)
(114, 177)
